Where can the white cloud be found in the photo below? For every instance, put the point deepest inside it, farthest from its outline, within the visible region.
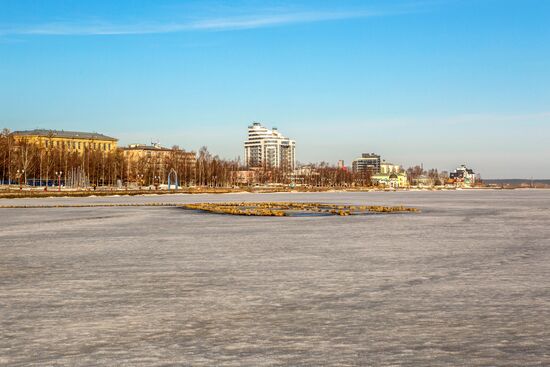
(214, 24)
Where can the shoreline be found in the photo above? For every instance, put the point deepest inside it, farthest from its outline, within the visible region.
(26, 193)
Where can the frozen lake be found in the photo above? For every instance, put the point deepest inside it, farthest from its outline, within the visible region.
(465, 282)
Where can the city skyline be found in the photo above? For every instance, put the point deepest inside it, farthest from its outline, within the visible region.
(440, 83)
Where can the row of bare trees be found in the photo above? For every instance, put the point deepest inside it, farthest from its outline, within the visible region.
(214, 171)
(326, 175)
(416, 173)
(31, 164)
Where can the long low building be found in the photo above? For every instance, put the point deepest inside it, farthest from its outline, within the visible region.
(73, 141)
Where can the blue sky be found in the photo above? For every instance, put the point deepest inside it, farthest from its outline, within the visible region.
(434, 82)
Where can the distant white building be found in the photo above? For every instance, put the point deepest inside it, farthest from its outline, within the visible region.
(267, 148)
(463, 176)
(387, 167)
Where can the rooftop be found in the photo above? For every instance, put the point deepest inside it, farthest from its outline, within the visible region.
(370, 155)
(64, 134)
(153, 147)
(145, 147)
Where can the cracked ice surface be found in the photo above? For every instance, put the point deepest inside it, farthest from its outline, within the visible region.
(465, 282)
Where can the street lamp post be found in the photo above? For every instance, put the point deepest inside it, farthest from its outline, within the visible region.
(59, 174)
(20, 173)
(139, 177)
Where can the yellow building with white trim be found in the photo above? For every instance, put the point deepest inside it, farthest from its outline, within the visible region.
(393, 179)
(72, 141)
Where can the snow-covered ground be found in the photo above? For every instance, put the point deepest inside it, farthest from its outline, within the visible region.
(465, 282)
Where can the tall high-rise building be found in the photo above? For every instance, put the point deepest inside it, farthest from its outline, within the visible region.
(267, 148)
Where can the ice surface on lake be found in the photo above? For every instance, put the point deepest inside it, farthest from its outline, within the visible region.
(465, 282)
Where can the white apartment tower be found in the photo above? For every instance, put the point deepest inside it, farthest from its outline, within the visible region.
(268, 148)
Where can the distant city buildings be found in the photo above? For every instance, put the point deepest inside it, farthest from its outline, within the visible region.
(463, 177)
(69, 141)
(80, 159)
(382, 173)
(369, 162)
(267, 148)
